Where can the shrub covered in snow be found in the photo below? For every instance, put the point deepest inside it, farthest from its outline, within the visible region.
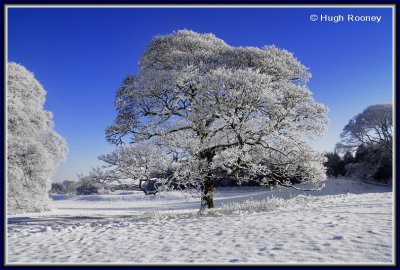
(34, 149)
(57, 188)
(70, 187)
(92, 184)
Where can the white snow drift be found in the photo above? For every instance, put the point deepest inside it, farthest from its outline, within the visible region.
(348, 222)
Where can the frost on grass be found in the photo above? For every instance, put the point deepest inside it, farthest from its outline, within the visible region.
(34, 149)
(352, 228)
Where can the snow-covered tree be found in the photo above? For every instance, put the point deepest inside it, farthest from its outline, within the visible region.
(370, 136)
(245, 110)
(372, 127)
(143, 166)
(34, 149)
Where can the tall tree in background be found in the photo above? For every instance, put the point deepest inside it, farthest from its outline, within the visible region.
(34, 149)
(213, 106)
(370, 136)
(372, 127)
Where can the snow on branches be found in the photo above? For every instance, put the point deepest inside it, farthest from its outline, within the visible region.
(374, 126)
(34, 149)
(217, 107)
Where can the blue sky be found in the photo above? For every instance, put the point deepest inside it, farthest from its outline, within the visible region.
(81, 56)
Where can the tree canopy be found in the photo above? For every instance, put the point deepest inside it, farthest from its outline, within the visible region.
(212, 106)
(34, 148)
(374, 126)
(370, 135)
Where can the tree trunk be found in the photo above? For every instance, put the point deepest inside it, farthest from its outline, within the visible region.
(207, 198)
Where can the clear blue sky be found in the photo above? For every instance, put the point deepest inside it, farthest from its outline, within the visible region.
(81, 56)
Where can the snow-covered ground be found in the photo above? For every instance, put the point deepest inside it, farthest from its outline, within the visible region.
(346, 222)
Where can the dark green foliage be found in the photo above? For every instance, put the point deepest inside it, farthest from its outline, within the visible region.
(376, 156)
(371, 162)
(370, 136)
(368, 154)
(87, 190)
(384, 171)
(334, 164)
(347, 158)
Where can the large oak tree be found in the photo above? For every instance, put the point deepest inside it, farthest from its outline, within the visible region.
(213, 107)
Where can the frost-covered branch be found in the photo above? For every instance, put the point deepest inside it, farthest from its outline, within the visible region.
(374, 126)
(246, 110)
(34, 148)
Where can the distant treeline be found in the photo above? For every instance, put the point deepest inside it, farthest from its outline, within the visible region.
(369, 163)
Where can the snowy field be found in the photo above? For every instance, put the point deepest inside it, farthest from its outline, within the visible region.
(346, 222)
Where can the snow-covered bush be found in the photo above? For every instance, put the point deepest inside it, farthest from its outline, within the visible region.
(70, 187)
(142, 166)
(66, 187)
(92, 184)
(57, 188)
(34, 149)
(88, 185)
